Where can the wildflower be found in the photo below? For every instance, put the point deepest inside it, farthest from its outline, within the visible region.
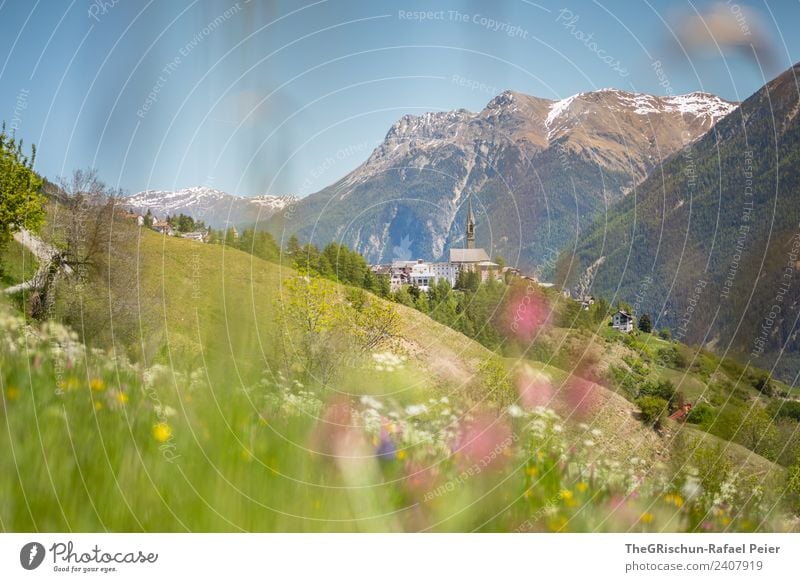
(646, 517)
(70, 383)
(122, 398)
(416, 409)
(98, 405)
(532, 471)
(515, 411)
(97, 384)
(582, 487)
(565, 494)
(162, 432)
(401, 455)
(385, 449)
(588, 443)
(12, 393)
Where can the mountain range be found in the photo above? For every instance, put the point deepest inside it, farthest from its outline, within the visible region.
(710, 242)
(538, 171)
(214, 207)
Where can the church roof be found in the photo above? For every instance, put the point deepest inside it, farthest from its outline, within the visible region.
(470, 214)
(468, 255)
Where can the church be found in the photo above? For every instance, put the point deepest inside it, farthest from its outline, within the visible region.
(424, 274)
(471, 258)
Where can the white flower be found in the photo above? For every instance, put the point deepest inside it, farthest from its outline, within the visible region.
(515, 411)
(371, 402)
(691, 488)
(416, 409)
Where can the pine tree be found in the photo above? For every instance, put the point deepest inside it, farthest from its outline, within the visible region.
(645, 323)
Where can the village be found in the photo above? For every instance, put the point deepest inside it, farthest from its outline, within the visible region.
(418, 273)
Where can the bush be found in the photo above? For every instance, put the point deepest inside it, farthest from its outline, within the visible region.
(653, 410)
(700, 414)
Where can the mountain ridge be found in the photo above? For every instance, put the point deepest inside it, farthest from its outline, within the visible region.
(531, 163)
(215, 207)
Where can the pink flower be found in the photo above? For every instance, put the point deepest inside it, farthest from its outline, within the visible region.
(534, 387)
(485, 442)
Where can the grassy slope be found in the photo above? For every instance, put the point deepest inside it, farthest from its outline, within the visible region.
(17, 265)
(236, 292)
(217, 309)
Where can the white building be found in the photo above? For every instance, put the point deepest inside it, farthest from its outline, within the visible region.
(422, 276)
(622, 321)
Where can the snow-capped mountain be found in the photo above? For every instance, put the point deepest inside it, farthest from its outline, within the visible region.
(215, 207)
(538, 169)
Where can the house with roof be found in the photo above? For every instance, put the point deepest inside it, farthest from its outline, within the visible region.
(622, 321)
(682, 413)
(471, 258)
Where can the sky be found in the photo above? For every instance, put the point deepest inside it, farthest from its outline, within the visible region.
(261, 97)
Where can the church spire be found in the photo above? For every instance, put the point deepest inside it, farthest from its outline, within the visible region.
(470, 225)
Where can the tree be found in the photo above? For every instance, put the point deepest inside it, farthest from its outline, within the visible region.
(21, 199)
(293, 246)
(148, 219)
(665, 334)
(757, 431)
(653, 409)
(764, 385)
(645, 323)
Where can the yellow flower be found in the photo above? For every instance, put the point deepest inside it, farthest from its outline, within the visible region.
(122, 398)
(557, 523)
(528, 494)
(565, 494)
(401, 455)
(97, 384)
(12, 393)
(70, 383)
(582, 487)
(98, 405)
(532, 471)
(646, 517)
(726, 520)
(162, 432)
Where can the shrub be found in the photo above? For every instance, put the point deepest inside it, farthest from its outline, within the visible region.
(700, 414)
(652, 409)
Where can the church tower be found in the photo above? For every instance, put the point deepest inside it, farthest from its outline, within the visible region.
(470, 226)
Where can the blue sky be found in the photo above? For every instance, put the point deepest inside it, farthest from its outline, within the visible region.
(257, 97)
